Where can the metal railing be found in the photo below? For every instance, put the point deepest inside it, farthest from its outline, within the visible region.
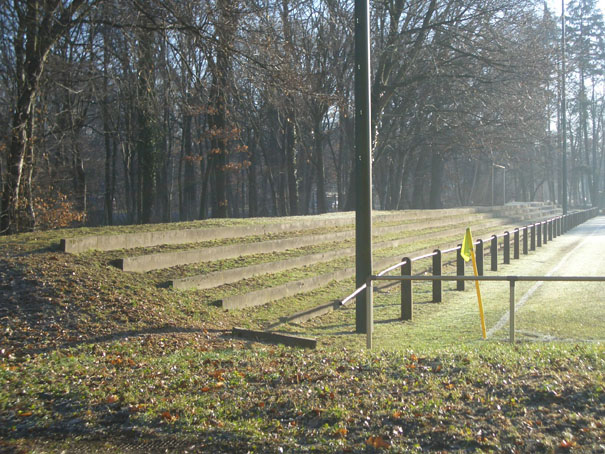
(534, 235)
(511, 279)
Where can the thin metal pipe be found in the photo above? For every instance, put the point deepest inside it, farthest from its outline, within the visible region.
(512, 312)
(492, 278)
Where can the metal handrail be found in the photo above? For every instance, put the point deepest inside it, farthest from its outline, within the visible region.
(548, 231)
(360, 289)
(510, 279)
(490, 278)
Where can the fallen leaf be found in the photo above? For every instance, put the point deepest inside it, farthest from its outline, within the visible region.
(136, 408)
(342, 432)
(112, 399)
(167, 416)
(378, 442)
(567, 444)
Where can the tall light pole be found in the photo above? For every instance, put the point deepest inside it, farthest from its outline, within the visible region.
(563, 115)
(503, 183)
(363, 159)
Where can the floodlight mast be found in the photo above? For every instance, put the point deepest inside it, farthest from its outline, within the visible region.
(563, 115)
(363, 159)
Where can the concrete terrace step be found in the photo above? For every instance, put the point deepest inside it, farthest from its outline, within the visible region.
(218, 278)
(264, 226)
(164, 260)
(268, 295)
(265, 296)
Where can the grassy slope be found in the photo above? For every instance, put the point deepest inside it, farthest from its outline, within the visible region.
(96, 360)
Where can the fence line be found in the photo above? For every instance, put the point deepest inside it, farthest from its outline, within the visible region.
(534, 235)
(511, 280)
(559, 225)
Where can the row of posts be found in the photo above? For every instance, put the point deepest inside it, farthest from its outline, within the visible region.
(534, 235)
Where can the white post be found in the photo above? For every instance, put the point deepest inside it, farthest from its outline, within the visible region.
(504, 185)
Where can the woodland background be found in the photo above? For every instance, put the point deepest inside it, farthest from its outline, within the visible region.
(132, 111)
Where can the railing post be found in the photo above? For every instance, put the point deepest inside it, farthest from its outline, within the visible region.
(564, 225)
(516, 243)
(512, 312)
(437, 272)
(544, 232)
(459, 268)
(407, 303)
(550, 235)
(479, 256)
(554, 228)
(493, 252)
(506, 248)
(525, 238)
(533, 237)
(539, 234)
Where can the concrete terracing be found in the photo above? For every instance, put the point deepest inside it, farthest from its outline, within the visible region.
(196, 234)
(392, 230)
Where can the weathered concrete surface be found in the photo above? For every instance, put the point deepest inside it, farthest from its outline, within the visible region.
(203, 281)
(163, 260)
(264, 296)
(324, 308)
(195, 235)
(158, 261)
(276, 338)
(267, 295)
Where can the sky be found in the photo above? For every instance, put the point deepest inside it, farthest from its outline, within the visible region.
(555, 5)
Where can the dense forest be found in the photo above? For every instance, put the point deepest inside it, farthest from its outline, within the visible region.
(138, 111)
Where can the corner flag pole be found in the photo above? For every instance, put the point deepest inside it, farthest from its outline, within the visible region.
(478, 295)
(467, 252)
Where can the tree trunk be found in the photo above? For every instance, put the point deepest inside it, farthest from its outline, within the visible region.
(437, 168)
(290, 158)
(319, 168)
(252, 189)
(419, 179)
(188, 187)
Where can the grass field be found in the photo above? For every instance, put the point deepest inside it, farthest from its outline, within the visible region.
(96, 360)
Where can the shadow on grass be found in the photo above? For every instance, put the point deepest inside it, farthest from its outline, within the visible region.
(118, 430)
(161, 330)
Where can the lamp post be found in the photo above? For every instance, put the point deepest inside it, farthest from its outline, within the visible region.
(503, 183)
(563, 115)
(363, 160)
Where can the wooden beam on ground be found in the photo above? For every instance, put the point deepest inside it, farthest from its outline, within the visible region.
(277, 338)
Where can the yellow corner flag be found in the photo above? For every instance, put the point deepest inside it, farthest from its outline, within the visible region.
(467, 253)
(467, 245)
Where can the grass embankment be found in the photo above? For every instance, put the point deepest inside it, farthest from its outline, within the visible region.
(96, 360)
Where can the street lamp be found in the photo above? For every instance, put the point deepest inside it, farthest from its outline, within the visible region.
(563, 114)
(503, 183)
